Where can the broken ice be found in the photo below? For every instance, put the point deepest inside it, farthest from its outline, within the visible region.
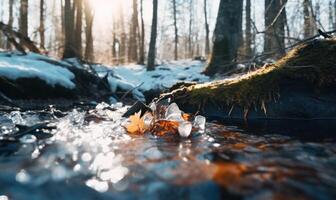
(28, 139)
(174, 113)
(184, 129)
(199, 122)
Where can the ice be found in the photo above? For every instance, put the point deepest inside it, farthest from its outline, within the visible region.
(16, 117)
(199, 122)
(102, 106)
(148, 119)
(173, 113)
(184, 129)
(28, 139)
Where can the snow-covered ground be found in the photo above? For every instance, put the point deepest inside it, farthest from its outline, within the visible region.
(130, 78)
(14, 66)
(138, 79)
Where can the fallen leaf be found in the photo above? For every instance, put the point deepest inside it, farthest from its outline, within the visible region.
(186, 116)
(163, 127)
(137, 125)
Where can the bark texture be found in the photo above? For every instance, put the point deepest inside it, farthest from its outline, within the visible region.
(152, 44)
(227, 37)
(275, 21)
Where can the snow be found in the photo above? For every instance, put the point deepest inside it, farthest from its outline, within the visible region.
(133, 79)
(139, 80)
(14, 66)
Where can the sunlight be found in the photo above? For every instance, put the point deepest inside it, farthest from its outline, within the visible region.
(103, 9)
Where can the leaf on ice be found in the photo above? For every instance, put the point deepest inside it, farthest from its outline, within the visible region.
(163, 127)
(186, 116)
(137, 125)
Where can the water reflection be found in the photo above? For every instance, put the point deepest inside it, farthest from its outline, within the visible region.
(89, 156)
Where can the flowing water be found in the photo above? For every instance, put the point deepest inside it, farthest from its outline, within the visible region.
(88, 155)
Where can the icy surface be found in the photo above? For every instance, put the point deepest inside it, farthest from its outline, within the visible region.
(199, 122)
(184, 129)
(139, 80)
(90, 156)
(14, 66)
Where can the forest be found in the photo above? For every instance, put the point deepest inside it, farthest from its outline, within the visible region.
(167, 99)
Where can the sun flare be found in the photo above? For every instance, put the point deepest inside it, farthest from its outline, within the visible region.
(103, 9)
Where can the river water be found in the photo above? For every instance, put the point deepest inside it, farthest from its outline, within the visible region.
(82, 154)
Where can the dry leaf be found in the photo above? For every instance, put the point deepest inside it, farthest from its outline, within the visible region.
(163, 127)
(137, 125)
(186, 116)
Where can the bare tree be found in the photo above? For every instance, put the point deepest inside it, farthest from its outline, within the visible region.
(191, 17)
(142, 39)
(152, 44)
(309, 21)
(23, 25)
(89, 16)
(248, 29)
(176, 40)
(207, 30)
(42, 27)
(227, 37)
(275, 20)
(335, 15)
(133, 45)
(78, 27)
(69, 46)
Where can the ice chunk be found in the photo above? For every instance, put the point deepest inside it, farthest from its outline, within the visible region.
(185, 129)
(102, 106)
(148, 119)
(173, 109)
(28, 139)
(199, 122)
(173, 113)
(16, 117)
(175, 117)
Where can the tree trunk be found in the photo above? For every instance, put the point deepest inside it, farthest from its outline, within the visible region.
(248, 33)
(133, 45)
(176, 31)
(191, 16)
(331, 15)
(69, 46)
(42, 27)
(10, 20)
(308, 19)
(78, 29)
(275, 27)
(1, 34)
(89, 15)
(227, 37)
(152, 44)
(122, 48)
(23, 25)
(207, 30)
(335, 15)
(142, 40)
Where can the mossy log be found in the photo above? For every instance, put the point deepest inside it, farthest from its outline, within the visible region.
(301, 85)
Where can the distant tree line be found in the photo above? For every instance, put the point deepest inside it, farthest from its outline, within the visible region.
(234, 37)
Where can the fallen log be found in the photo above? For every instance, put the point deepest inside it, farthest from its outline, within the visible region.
(301, 85)
(25, 41)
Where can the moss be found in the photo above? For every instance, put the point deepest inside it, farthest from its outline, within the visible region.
(314, 63)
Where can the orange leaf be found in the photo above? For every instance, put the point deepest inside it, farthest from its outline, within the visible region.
(137, 125)
(186, 116)
(163, 127)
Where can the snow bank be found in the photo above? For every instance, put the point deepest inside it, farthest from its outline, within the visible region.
(14, 66)
(136, 77)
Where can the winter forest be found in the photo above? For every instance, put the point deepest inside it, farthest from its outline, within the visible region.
(167, 99)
